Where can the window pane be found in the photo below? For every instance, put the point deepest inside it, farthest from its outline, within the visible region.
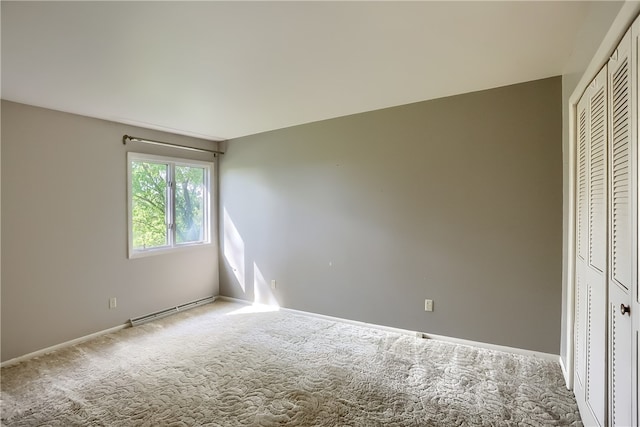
(149, 204)
(189, 201)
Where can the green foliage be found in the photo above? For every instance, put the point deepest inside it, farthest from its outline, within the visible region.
(150, 204)
(149, 191)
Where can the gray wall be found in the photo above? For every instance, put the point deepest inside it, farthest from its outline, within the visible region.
(590, 36)
(64, 232)
(363, 217)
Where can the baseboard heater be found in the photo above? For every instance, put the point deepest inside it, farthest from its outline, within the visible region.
(135, 321)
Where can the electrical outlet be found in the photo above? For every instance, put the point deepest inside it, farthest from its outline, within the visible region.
(112, 303)
(428, 305)
(273, 284)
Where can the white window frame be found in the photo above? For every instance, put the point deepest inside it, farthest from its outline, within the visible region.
(172, 245)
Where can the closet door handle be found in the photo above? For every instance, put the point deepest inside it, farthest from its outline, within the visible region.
(625, 309)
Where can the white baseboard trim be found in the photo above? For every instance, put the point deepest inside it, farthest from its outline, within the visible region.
(565, 373)
(503, 348)
(62, 345)
(479, 344)
(76, 341)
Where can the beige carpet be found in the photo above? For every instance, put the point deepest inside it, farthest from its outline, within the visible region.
(218, 365)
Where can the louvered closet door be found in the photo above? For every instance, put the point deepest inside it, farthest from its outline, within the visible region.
(607, 300)
(590, 385)
(582, 241)
(621, 263)
(596, 276)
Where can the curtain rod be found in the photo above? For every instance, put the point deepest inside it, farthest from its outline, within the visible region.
(153, 142)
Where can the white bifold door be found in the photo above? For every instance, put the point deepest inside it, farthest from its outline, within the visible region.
(591, 262)
(622, 266)
(607, 299)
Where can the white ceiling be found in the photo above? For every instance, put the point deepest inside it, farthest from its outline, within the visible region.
(226, 69)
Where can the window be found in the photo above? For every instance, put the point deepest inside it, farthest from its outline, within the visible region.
(169, 203)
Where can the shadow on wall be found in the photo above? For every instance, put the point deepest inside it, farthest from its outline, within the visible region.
(235, 256)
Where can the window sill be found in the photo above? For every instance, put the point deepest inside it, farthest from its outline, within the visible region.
(133, 254)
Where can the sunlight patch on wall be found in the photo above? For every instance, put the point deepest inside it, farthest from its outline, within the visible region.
(234, 249)
(261, 289)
